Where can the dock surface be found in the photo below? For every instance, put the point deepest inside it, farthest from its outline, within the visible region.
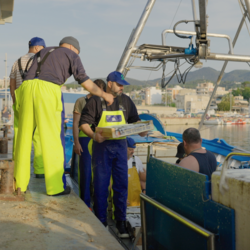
(45, 222)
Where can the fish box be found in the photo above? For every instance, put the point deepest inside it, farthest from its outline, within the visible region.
(118, 131)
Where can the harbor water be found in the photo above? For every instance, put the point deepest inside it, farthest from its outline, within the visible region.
(236, 135)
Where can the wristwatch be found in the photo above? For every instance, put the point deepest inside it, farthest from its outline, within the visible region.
(143, 190)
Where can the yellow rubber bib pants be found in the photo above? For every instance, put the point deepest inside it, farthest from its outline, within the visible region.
(40, 105)
(134, 186)
(38, 161)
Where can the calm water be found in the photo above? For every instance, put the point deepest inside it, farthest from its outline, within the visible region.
(237, 135)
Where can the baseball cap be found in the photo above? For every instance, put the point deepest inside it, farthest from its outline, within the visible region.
(131, 142)
(72, 41)
(37, 41)
(117, 77)
(180, 150)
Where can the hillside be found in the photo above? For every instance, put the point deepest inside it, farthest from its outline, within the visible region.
(193, 78)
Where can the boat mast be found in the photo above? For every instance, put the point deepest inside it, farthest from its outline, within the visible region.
(223, 68)
(134, 38)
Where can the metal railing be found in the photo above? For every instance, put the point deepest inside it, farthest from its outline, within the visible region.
(196, 228)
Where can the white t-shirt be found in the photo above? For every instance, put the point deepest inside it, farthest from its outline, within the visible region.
(15, 73)
(138, 163)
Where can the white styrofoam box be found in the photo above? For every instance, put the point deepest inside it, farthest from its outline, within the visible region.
(237, 198)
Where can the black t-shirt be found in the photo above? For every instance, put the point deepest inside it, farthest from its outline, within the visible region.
(92, 112)
(58, 67)
(207, 162)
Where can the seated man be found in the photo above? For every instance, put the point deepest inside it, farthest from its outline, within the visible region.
(198, 159)
(136, 175)
(180, 152)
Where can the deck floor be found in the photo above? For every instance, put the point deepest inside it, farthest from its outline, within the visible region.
(44, 222)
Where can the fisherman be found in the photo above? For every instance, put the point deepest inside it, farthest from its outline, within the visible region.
(110, 155)
(136, 175)
(198, 158)
(17, 74)
(180, 152)
(81, 142)
(40, 104)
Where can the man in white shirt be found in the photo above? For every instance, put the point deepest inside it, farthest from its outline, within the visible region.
(17, 74)
(134, 161)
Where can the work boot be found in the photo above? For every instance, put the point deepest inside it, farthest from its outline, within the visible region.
(105, 224)
(122, 229)
(40, 176)
(67, 190)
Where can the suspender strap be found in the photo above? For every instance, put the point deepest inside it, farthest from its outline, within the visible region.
(22, 73)
(134, 162)
(40, 63)
(120, 103)
(104, 106)
(27, 65)
(20, 68)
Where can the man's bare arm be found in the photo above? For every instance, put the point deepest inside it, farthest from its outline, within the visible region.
(12, 89)
(89, 132)
(77, 146)
(190, 162)
(95, 90)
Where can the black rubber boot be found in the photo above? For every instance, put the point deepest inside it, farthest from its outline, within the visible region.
(67, 190)
(122, 229)
(40, 176)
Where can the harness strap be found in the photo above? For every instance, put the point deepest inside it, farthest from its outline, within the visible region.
(20, 68)
(134, 162)
(120, 103)
(104, 106)
(40, 63)
(121, 107)
(22, 73)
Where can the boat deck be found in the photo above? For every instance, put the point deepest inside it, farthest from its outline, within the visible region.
(44, 222)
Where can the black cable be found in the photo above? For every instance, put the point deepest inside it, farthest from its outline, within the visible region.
(183, 21)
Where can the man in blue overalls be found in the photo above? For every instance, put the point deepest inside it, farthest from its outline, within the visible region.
(110, 155)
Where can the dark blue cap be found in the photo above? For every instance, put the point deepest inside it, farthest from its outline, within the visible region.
(37, 41)
(117, 77)
(131, 142)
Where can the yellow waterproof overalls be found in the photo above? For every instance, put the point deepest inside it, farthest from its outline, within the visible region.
(40, 105)
(38, 161)
(110, 158)
(134, 185)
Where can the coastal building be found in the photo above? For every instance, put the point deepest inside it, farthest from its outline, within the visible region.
(172, 92)
(207, 89)
(191, 102)
(153, 96)
(240, 105)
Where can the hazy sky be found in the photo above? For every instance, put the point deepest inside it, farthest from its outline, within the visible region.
(103, 28)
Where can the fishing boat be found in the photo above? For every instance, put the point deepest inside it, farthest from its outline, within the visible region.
(213, 122)
(227, 122)
(239, 122)
(182, 209)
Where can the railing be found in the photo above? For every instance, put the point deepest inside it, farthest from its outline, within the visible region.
(203, 232)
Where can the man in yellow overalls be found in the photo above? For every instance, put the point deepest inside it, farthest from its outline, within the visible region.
(136, 175)
(17, 74)
(109, 156)
(40, 104)
(81, 142)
